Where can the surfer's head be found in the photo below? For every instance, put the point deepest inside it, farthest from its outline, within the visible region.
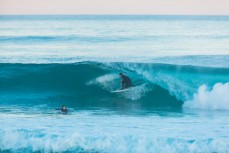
(120, 74)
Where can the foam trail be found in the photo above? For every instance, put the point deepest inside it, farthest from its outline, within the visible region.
(217, 98)
(105, 81)
(137, 92)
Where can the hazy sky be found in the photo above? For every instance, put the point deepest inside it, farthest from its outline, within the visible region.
(193, 7)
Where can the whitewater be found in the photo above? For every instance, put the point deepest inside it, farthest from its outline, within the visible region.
(179, 66)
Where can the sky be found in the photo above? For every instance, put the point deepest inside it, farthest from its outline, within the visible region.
(158, 7)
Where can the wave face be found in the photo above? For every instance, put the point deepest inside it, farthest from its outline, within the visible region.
(90, 84)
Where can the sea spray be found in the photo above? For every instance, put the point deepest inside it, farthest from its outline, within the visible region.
(213, 98)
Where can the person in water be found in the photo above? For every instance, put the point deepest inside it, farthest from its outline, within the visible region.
(125, 82)
(63, 109)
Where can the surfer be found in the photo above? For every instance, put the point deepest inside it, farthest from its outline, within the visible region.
(63, 109)
(125, 82)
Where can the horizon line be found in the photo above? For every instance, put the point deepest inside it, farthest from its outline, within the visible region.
(114, 14)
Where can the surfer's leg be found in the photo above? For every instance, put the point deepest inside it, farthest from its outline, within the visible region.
(127, 85)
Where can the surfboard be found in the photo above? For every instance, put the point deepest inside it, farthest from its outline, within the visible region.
(120, 90)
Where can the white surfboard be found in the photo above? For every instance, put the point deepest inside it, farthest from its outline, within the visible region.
(120, 90)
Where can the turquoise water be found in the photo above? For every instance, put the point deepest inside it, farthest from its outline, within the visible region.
(179, 66)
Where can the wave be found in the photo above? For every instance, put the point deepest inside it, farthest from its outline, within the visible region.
(61, 38)
(215, 61)
(98, 39)
(25, 141)
(89, 84)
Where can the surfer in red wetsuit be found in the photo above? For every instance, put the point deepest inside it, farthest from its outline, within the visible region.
(125, 82)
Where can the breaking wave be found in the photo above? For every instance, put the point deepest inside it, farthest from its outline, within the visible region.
(91, 84)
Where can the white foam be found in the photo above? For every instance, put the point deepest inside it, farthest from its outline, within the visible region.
(215, 98)
(105, 81)
(137, 92)
(108, 143)
(89, 131)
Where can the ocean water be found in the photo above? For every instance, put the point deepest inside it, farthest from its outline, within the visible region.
(179, 66)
